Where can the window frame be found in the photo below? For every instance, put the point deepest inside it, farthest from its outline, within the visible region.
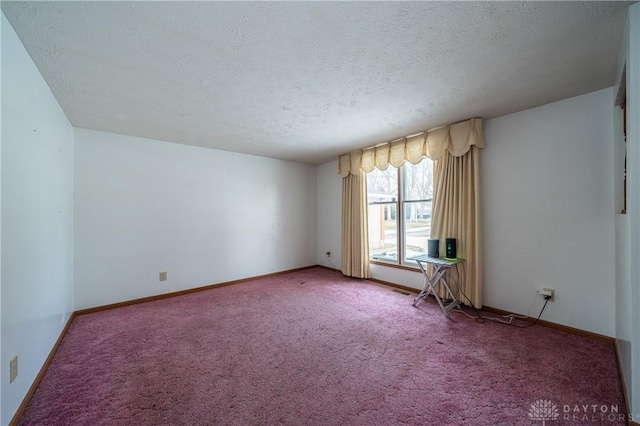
(400, 202)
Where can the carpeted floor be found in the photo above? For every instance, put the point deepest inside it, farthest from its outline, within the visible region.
(316, 348)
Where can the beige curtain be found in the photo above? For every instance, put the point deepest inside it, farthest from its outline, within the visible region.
(457, 139)
(355, 245)
(456, 214)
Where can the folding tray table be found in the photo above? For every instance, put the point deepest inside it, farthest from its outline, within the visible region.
(437, 276)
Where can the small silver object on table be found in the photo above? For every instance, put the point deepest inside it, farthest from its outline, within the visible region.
(440, 267)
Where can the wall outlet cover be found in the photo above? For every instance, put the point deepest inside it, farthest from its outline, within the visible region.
(549, 292)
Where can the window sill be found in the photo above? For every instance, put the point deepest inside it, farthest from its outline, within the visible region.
(396, 266)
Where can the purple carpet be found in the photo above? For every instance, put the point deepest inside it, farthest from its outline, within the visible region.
(316, 348)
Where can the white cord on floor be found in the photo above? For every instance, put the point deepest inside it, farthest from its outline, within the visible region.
(510, 316)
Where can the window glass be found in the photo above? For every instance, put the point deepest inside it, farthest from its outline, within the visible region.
(383, 232)
(382, 185)
(418, 180)
(417, 186)
(382, 197)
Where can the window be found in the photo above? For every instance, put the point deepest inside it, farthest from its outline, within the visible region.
(400, 211)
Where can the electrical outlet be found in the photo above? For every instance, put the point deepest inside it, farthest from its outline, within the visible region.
(328, 254)
(548, 292)
(163, 276)
(13, 368)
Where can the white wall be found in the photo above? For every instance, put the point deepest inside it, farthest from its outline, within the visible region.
(547, 181)
(37, 220)
(628, 226)
(547, 191)
(623, 240)
(203, 216)
(634, 141)
(2, 20)
(623, 303)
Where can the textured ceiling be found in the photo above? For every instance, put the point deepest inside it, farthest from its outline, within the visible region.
(307, 81)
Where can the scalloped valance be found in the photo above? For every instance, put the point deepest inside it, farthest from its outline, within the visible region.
(456, 138)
